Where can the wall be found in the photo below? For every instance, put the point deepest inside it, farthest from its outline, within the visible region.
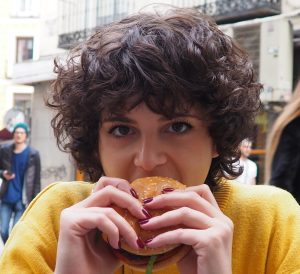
(56, 165)
(12, 27)
(290, 5)
(49, 29)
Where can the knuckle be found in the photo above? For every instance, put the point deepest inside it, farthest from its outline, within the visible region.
(65, 213)
(180, 233)
(185, 211)
(162, 198)
(109, 188)
(205, 187)
(123, 181)
(101, 219)
(193, 195)
(109, 212)
(230, 224)
(66, 217)
(229, 227)
(224, 231)
(115, 230)
(101, 181)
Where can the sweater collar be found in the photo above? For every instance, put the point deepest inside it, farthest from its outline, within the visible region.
(222, 194)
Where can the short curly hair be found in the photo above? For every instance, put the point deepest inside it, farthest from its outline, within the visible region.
(171, 62)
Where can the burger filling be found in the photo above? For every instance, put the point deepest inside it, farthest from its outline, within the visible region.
(135, 259)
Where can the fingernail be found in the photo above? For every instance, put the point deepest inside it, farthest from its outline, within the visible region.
(167, 189)
(140, 243)
(148, 240)
(143, 221)
(148, 200)
(133, 193)
(146, 213)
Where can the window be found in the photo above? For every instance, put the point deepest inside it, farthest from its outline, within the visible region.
(24, 5)
(22, 102)
(24, 49)
(25, 8)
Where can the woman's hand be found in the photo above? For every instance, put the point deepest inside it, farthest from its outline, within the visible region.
(208, 230)
(81, 248)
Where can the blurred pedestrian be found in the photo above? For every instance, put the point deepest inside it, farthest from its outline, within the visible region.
(283, 148)
(249, 167)
(20, 171)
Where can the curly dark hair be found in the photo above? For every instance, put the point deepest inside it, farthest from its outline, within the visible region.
(169, 61)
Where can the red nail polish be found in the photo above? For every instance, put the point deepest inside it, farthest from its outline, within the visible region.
(148, 240)
(133, 193)
(146, 213)
(148, 200)
(143, 221)
(140, 243)
(167, 189)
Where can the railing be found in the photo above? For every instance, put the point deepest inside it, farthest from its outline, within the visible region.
(227, 11)
(79, 18)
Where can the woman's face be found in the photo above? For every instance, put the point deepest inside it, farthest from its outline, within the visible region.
(142, 143)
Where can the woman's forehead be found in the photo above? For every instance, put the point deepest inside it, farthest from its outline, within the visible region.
(109, 113)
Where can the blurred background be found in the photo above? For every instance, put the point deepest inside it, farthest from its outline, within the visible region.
(34, 32)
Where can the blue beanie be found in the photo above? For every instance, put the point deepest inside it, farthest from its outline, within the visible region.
(21, 125)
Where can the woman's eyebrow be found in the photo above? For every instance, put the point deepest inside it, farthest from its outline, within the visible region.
(122, 119)
(181, 115)
(125, 119)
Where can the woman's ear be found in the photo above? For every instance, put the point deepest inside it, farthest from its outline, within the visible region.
(215, 153)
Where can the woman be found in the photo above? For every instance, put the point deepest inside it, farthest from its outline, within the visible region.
(283, 148)
(156, 95)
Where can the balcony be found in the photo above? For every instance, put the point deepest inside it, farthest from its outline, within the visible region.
(230, 11)
(79, 18)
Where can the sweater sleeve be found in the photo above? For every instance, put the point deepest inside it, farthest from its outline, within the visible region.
(31, 247)
(284, 251)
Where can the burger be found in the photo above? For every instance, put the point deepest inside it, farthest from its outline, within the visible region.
(154, 258)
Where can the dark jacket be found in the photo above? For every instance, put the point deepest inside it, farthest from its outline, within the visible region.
(285, 171)
(32, 177)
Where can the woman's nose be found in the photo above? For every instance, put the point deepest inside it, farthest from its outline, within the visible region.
(150, 154)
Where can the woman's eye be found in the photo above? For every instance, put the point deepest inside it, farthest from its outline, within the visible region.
(180, 127)
(120, 131)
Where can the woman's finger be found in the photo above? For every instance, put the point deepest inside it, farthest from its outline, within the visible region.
(107, 220)
(210, 237)
(181, 216)
(110, 195)
(184, 198)
(178, 236)
(204, 191)
(115, 182)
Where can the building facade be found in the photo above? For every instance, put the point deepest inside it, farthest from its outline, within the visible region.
(268, 29)
(19, 36)
(30, 38)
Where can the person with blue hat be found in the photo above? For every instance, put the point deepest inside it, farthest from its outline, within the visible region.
(21, 125)
(20, 169)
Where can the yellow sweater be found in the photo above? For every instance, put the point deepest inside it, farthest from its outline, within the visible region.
(266, 233)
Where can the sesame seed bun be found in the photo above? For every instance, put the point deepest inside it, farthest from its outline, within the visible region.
(166, 255)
